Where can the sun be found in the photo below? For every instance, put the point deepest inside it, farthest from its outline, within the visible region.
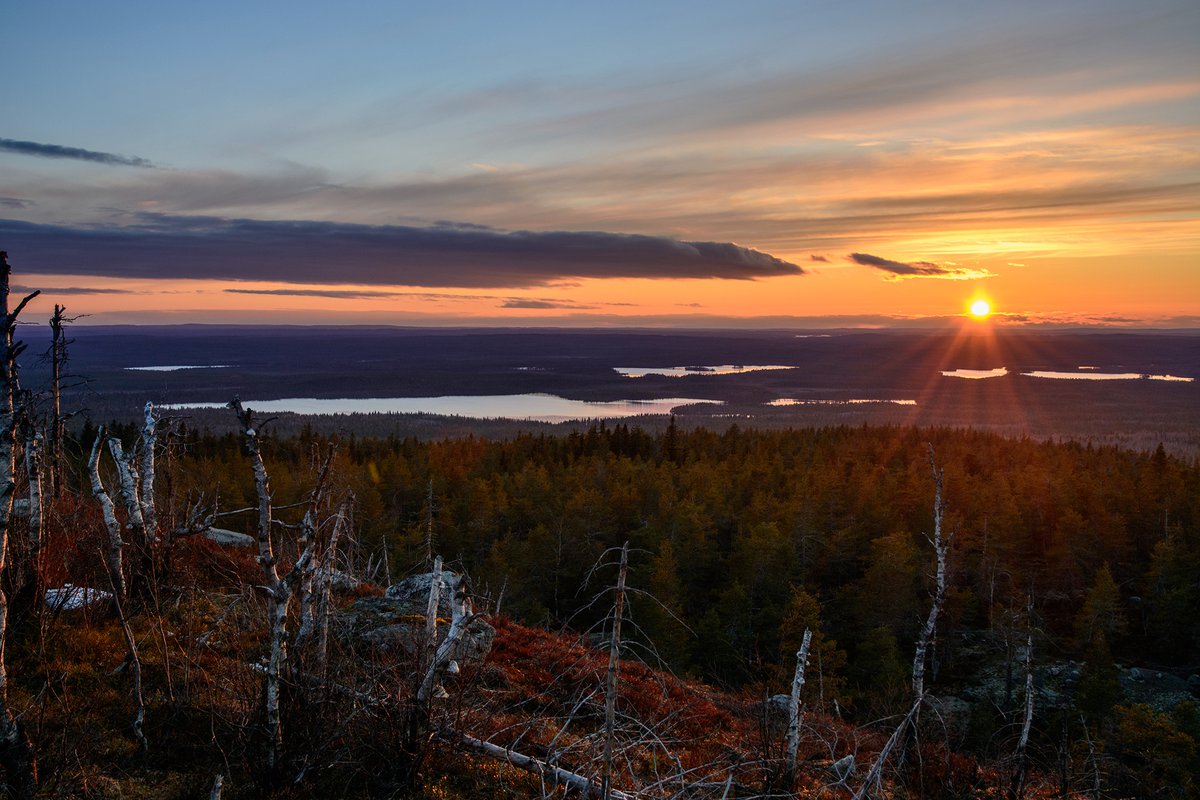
(981, 309)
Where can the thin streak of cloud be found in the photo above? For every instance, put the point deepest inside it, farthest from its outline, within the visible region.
(16, 202)
(42, 150)
(51, 291)
(306, 251)
(899, 270)
(542, 304)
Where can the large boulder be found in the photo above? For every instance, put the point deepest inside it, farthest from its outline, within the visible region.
(397, 620)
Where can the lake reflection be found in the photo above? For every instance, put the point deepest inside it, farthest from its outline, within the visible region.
(537, 407)
(976, 374)
(789, 401)
(1103, 376)
(680, 372)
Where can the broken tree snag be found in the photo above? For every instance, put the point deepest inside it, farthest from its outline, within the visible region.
(128, 491)
(552, 774)
(16, 753)
(308, 567)
(116, 545)
(614, 674)
(278, 593)
(149, 445)
(1017, 790)
(324, 606)
(794, 718)
(58, 359)
(34, 472)
(462, 614)
(940, 547)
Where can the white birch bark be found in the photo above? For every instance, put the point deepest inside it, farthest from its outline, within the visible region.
(16, 754)
(146, 457)
(794, 717)
(278, 594)
(116, 544)
(128, 490)
(551, 773)
(940, 547)
(614, 675)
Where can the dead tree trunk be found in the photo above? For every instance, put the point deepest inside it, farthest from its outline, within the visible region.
(278, 593)
(16, 753)
(146, 458)
(940, 547)
(58, 360)
(1017, 790)
(794, 718)
(614, 675)
(116, 544)
(34, 472)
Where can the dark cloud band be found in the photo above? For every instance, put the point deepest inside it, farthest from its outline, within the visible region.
(334, 252)
(916, 269)
(77, 153)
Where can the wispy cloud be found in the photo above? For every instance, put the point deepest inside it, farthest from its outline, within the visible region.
(305, 251)
(899, 270)
(53, 291)
(15, 202)
(542, 304)
(335, 294)
(42, 150)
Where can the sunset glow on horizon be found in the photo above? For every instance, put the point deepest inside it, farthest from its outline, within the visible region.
(757, 165)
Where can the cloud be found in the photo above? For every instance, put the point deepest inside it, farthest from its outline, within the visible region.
(337, 294)
(77, 153)
(821, 259)
(518, 302)
(305, 251)
(917, 269)
(53, 291)
(15, 202)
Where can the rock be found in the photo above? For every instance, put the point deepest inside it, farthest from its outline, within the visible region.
(842, 769)
(413, 593)
(397, 620)
(953, 713)
(343, 581)
(778, 704)
(227, 537)
(69, 597)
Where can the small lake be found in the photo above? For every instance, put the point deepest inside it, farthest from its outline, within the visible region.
(789, 401)
(1103, 376)
(682, 372)
(975, 374)
(1084, 374)
(177, 367)
(536, 407)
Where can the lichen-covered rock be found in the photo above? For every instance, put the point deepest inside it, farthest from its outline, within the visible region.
(228, 537)
(397, 620)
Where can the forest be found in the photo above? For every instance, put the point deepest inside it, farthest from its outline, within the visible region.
(610, 612)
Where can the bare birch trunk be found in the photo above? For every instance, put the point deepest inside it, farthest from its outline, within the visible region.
(553, 774)
(461, 616)
(940, 547)
(324, 607)
(614, 675)
(58, 358)
(116, 545)
(34, 470)
(146, 457)
(128, 490)
(794, 718)
(16, 753)
(135, 661)
(278, 594)
(1017, 791)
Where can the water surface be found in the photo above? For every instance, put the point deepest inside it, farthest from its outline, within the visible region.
(680, 372)
(538, 407)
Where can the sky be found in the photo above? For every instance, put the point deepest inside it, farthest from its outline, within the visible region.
(748, 164)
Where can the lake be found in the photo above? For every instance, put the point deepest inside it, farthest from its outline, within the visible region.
(537, 407)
